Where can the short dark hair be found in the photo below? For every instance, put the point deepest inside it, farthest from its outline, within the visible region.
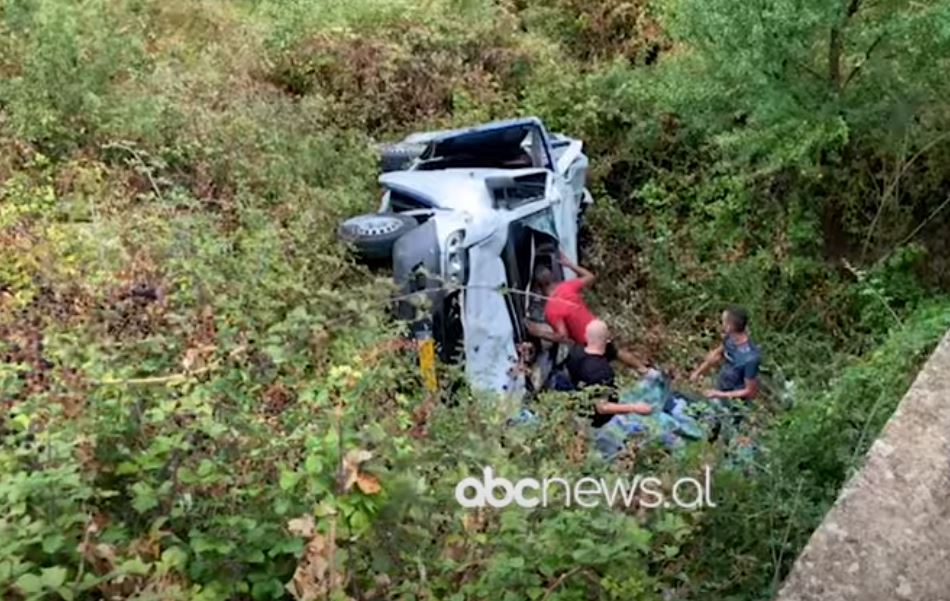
(543, 277)
(738, 317)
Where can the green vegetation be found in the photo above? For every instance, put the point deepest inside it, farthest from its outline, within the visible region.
(199, 399)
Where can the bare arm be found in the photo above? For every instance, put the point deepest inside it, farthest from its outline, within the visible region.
(561, 334)
(545, 332)
(749, 391)
(586, 276)
(712, 358)
(608, 408)
(631, 360)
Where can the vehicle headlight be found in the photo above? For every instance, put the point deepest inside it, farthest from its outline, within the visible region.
(456, 259)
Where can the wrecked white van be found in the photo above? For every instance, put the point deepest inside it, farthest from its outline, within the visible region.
(466, 221)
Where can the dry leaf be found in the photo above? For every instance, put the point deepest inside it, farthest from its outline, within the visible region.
(420, 418)
(303, 526)
(196, 356)
(350, 469)
(577, 449)
(368, 484)
(310, 581)
(473, 521)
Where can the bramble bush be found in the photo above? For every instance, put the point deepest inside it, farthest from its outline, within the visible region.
(202, 394)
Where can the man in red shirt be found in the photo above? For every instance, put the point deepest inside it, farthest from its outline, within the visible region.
(566, 310)
(568, 313)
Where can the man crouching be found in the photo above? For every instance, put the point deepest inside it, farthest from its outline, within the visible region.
(589, 366)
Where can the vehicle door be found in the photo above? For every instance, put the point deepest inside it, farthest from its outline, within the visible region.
(564, 208)
(532, 242)
(565, 201)
(531, 233)
(572, 165)
(489, 332)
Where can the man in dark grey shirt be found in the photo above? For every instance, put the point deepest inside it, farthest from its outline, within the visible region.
(740, 358)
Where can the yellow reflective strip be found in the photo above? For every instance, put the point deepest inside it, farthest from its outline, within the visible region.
(427, 364)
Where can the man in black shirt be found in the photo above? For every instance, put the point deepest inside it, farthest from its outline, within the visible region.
(589, 366)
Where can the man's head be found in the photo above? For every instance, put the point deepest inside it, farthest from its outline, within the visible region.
(598, 335)
(735, 319)
(543, 279)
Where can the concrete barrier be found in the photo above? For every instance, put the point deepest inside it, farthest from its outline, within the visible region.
(887, 537)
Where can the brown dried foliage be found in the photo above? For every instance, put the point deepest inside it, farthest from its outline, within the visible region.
(383, 82)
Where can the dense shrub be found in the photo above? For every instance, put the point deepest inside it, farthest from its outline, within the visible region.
(383, 77)
(201, 393)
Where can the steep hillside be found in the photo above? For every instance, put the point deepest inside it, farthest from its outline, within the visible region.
(191, 364)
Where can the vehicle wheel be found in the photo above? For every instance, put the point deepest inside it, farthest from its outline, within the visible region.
(374, 234)
(397, 157)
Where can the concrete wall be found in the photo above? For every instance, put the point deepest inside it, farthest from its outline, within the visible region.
(887, 538)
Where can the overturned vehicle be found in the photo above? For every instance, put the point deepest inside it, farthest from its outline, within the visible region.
(466, 217)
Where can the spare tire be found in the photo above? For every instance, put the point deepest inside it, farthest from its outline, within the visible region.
(398, 157)
(374, 234)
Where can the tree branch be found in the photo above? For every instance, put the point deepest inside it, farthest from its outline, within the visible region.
(560, 580)
(867, 56)
(890, 188)
(836, 44)
(170, 379)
